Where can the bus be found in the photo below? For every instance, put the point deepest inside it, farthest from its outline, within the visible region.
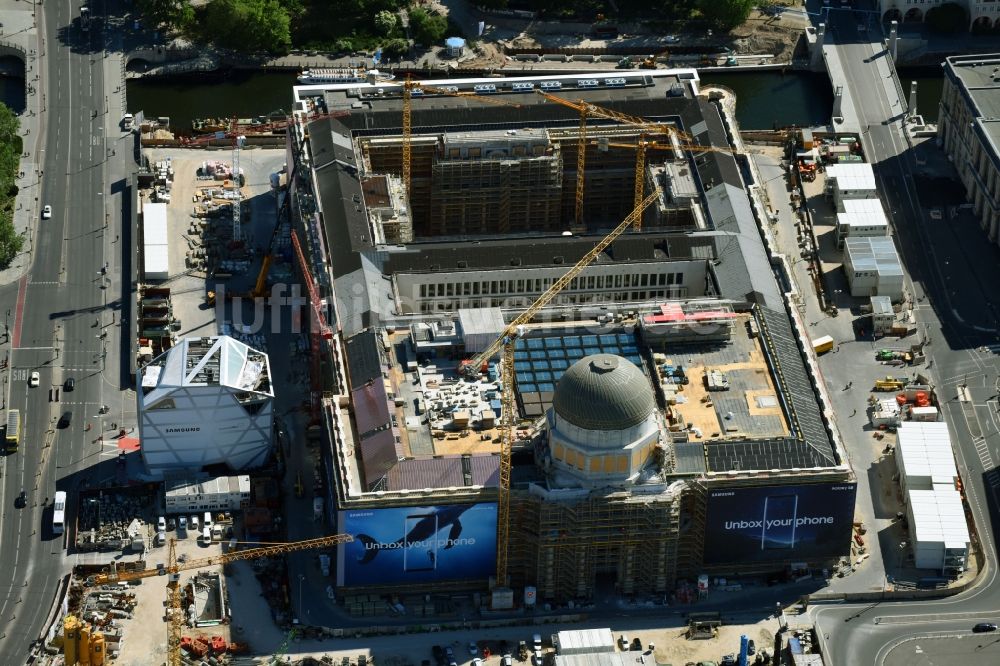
(13, 435)
(59, 513)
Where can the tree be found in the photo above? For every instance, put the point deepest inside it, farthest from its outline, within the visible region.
(385, 21)
(726, 14)
(395, 48)
(947, 18)
(173, 13)
(427, 28)
(10, 160)
(249, 25)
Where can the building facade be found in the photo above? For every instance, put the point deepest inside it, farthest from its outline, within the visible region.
(205, 401)
(983, 15)
(220, 493)
(968, 130)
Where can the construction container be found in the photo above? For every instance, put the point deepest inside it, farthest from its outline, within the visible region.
(822, 344)
(925, 413)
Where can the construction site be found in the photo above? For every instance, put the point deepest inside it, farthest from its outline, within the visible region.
(535, 356)
(553, 310)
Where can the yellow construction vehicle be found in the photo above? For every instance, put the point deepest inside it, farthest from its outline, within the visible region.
(504, 345)
(889, 383)
(650, 61)
(173, 569)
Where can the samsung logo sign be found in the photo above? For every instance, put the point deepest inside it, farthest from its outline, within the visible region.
(187, 429)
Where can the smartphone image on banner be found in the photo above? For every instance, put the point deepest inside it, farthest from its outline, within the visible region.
(421, 553)
(778, 530)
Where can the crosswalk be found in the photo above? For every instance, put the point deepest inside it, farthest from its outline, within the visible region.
(983, 451)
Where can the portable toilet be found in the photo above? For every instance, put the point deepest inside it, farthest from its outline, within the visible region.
(455, 47)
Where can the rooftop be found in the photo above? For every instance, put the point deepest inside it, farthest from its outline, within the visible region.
(978, 77)
(204, 362)
(217, 485)
(852, 175)
(730, 243)
(862, 212)
(938, 516)
(873, 253)
(925, 451)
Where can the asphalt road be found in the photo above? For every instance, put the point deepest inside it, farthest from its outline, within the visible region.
(70, 296)
(951, 268)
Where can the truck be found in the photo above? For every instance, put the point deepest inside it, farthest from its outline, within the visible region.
(889, 383)
(822, 344)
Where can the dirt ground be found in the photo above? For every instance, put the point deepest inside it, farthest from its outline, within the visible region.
(673, 648)
(144, 636)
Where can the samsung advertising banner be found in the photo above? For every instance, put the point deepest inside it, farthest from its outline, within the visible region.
(418, 544)
(777, 523)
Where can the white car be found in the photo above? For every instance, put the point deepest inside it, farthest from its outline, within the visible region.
(46, 212)
(33, 380)
(161, 524)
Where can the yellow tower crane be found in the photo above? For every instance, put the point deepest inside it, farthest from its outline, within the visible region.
(589, 110)
(504, 344)
(173, 569)
(409, 86)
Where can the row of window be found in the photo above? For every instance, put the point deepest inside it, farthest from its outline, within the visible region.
(538, 285)
(565, 299)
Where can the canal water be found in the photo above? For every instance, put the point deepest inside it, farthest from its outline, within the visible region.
(765, 100)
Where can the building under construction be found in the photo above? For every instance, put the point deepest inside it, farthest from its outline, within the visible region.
(669, 423)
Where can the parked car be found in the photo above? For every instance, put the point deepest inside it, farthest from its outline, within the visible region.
(507, 660)
(182, 526)
(473, 649)
(449, 653)
(161, 524)
(751, 648)
(984, 627)
(194, 522)
(46, 212)
(438, 653)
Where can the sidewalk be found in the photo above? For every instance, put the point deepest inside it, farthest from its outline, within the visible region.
(20, 33)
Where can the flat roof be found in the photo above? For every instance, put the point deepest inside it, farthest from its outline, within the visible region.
(873, 253)
(938, 517)
(852, 175)
(579, 640)
(863, 212)
(924, 450)
(184, 487)
(979, 83)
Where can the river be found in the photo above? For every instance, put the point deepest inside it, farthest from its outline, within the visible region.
(764, 100)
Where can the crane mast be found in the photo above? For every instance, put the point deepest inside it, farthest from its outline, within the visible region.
(505, 343)
(173, 569)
